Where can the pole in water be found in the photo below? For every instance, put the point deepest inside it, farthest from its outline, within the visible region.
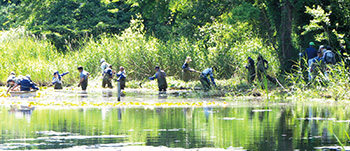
(119, 91)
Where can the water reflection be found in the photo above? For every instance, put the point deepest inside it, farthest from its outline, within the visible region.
(251, 128)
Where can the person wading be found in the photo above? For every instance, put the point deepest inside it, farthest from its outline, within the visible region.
(251, 70)
(262, 65)
(121, 77)
(204, 78)
(84, 77)
(104, 65)
(107, 77)
(161, 78)
(186, 70)
(57, 79)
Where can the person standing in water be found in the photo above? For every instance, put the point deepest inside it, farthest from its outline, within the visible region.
(186, 70)
(104, 65)
(121, 77)
(57, 80)
(204, 78)
(251, 70)
(107, 77)
(161, 78)
(84, 76)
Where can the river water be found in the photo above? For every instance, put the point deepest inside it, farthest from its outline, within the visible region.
(148, 122)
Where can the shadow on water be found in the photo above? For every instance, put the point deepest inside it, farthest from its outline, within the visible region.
(249, 127)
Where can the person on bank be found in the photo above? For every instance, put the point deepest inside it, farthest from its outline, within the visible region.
(107, 77)
(84, 76)
(251, 70)
(317, 66)
(161, 78)
(12, 76)
(204, 78)
(57, 80)
(186, 70)
(310, 52)
(329, 56)
(24, 83)
(121, 77)
(104, 65)
(262, 65)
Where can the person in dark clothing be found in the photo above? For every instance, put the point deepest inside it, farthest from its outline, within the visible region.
(204, 78)
(25, 84)
(121, 77)
(107, 77)
(251, 70)
(310, 52)
(262, 65)
(161, 78)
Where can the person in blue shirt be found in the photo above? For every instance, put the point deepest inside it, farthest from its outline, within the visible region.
(121, 77)
(107, 77)
(204, 78)
(57, 79)
(161, 78)
(84, 77)
(186, 70)
(25, 84)
(310, 52)
(317, 65)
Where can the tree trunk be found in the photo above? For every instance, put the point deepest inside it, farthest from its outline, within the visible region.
(286, 35)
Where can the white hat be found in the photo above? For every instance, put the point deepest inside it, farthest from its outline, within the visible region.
(102, 60)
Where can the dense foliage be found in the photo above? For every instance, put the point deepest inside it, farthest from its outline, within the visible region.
(213, 32)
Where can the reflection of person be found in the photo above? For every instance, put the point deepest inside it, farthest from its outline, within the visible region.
(84, 76)
(121, 77)
(161, 78)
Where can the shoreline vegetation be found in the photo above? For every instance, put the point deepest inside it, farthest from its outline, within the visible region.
(25, 54)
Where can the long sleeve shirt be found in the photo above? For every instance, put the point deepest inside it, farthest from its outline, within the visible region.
(209, 72)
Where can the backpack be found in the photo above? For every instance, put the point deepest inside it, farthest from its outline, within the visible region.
(329, 57)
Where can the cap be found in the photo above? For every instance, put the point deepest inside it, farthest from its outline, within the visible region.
(80, 68)
(102, 60)
(249, 58)
(56, 72)
(28, 76)
(188, 59)
(321, 47)
(121, 67)
(157, 67)
(312, 44)
(13, 73)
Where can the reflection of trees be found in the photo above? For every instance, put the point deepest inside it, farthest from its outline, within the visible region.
(283, 128)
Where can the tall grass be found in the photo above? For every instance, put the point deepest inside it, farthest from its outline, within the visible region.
(137, 52)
